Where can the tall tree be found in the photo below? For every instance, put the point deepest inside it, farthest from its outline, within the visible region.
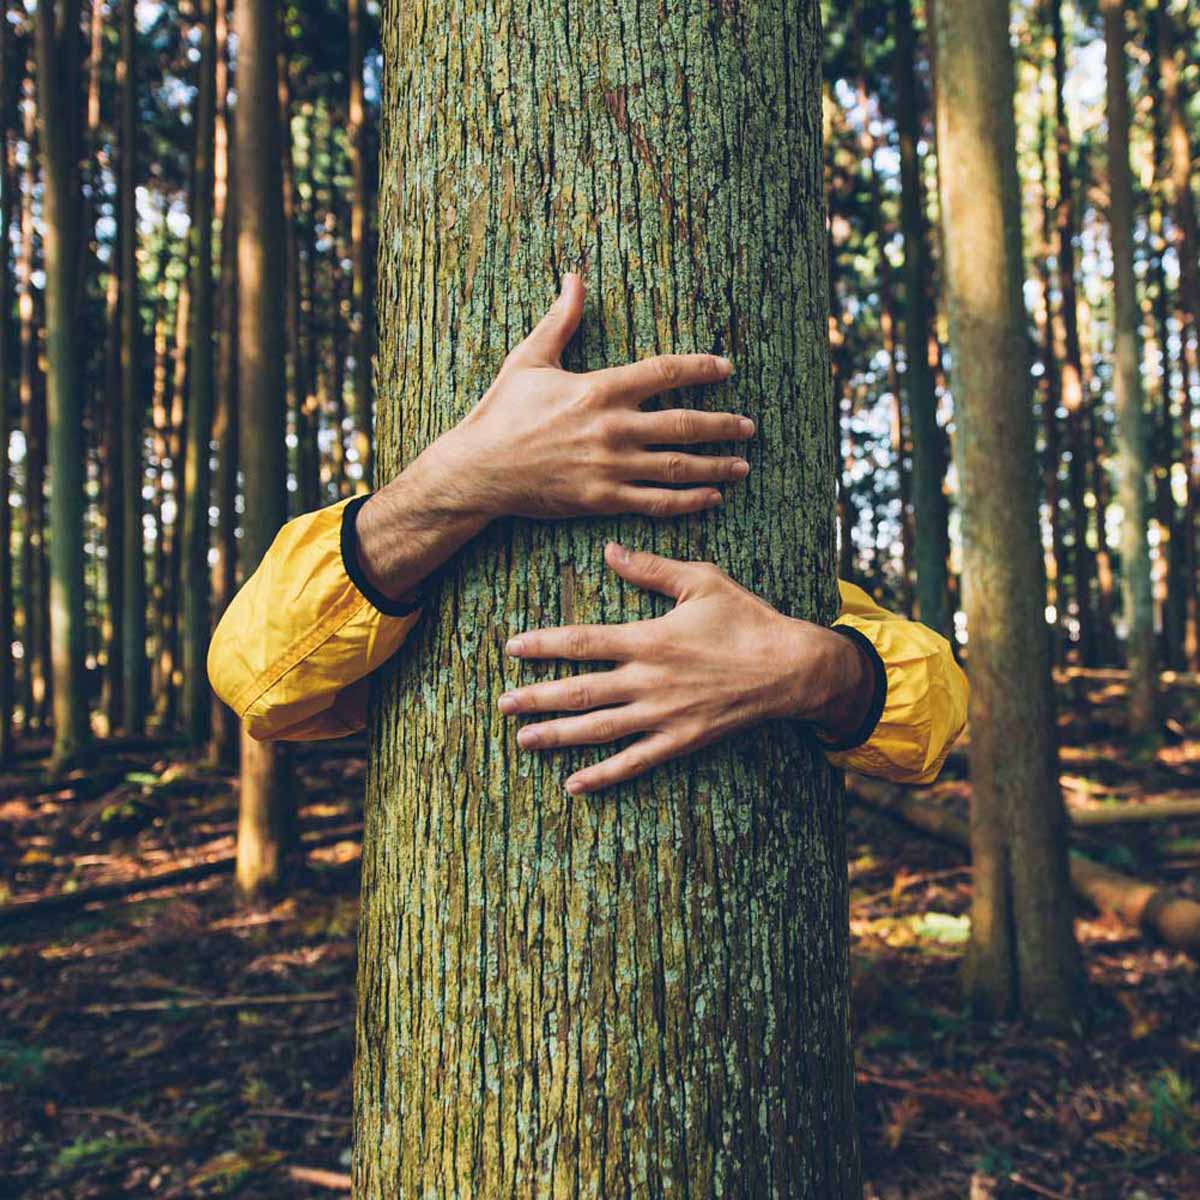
(361, 308)
(1187, 249)
(931, 511)
(265, 817)
(1023, 956)
(7, 175)
(1071, 388)
(59, 117)
(196, 474)
(133, 407)
(1132, 435)
(676, 949)
(223, 749)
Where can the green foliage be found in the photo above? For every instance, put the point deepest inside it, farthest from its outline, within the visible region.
(23, 1067)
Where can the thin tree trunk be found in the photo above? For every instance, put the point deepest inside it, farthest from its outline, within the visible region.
(930, 508)
(223, 747)
(309, 450)
(1187, 248)
(266, 826)
(59, 116)
(7, 175)
(1071, 386)
(133, 406)
(643, 993)
(1133, 443)
(1022, 956)
(35, 681)
(361, 309)
(196, 475)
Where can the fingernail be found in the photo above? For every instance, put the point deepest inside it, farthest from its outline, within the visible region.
(514, 645)
(528, 739)
(746, 427)
(507, 703)
(574, 787)
(740, 469)
(725, 365)
(620, 553)
(715, 498)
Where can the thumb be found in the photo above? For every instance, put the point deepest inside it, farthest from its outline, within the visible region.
(645, 570)
(544, 346)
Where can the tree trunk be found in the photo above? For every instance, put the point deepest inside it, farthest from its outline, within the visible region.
(361, 308)
(643, 993)
(265, 829)
(59, 116)
(1023, 956)
(1071, 384)
(196, 476)
(133, 407)
(1133, 454)
(1187, 248)
(223, 748)
(35, 676)
(7, 176)
(930, 509)
(308, 464)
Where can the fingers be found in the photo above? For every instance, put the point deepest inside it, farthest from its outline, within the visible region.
(592, 729)
(665, 502)
(578, 643)
(638, 381)
(576, 693)
(544, 346)
(650, 571)
(670, 466)
(689, 426)
(634, 760)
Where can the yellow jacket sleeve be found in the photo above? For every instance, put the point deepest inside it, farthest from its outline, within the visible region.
(292, 652)
(921, 706)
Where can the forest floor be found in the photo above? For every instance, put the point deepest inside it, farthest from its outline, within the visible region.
(167, 1045)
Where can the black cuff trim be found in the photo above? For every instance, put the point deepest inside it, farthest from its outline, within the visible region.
(878, 696)
(389, 608)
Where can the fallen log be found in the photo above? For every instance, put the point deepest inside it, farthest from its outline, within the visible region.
(37, 906)
(1173, 919)
(1133, 814)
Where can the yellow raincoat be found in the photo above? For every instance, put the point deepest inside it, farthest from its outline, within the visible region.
(293, 651)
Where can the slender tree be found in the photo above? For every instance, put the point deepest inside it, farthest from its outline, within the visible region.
(643, 993)
(133, 407)
(7, 107)
(1132, 435)
(265, 816)
(196, 474)
(59, 115)
(361, 308)
(1022, 955)
(223, 747)
(930, 507)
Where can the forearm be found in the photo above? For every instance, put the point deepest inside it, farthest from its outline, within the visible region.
(411, 526)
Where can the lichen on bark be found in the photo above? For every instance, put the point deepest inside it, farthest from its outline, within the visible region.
(645, 992)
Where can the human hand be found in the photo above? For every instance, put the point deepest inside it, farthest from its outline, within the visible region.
(720, 661)
(544, 442)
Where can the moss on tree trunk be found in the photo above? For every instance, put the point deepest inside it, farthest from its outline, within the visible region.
(645, 992)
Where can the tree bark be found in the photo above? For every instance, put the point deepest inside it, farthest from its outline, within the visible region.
(196, 473)
(59, 117)
(265, 826)
(7, 176)
(223, 748)
(361, 309)
(1187, 248)
(642, 993)
(1133, 453)
(1071, 385)
(1023, 956)
(133, 406)
(930, 508)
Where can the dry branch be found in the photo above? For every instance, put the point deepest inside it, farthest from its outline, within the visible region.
(1172, 918)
